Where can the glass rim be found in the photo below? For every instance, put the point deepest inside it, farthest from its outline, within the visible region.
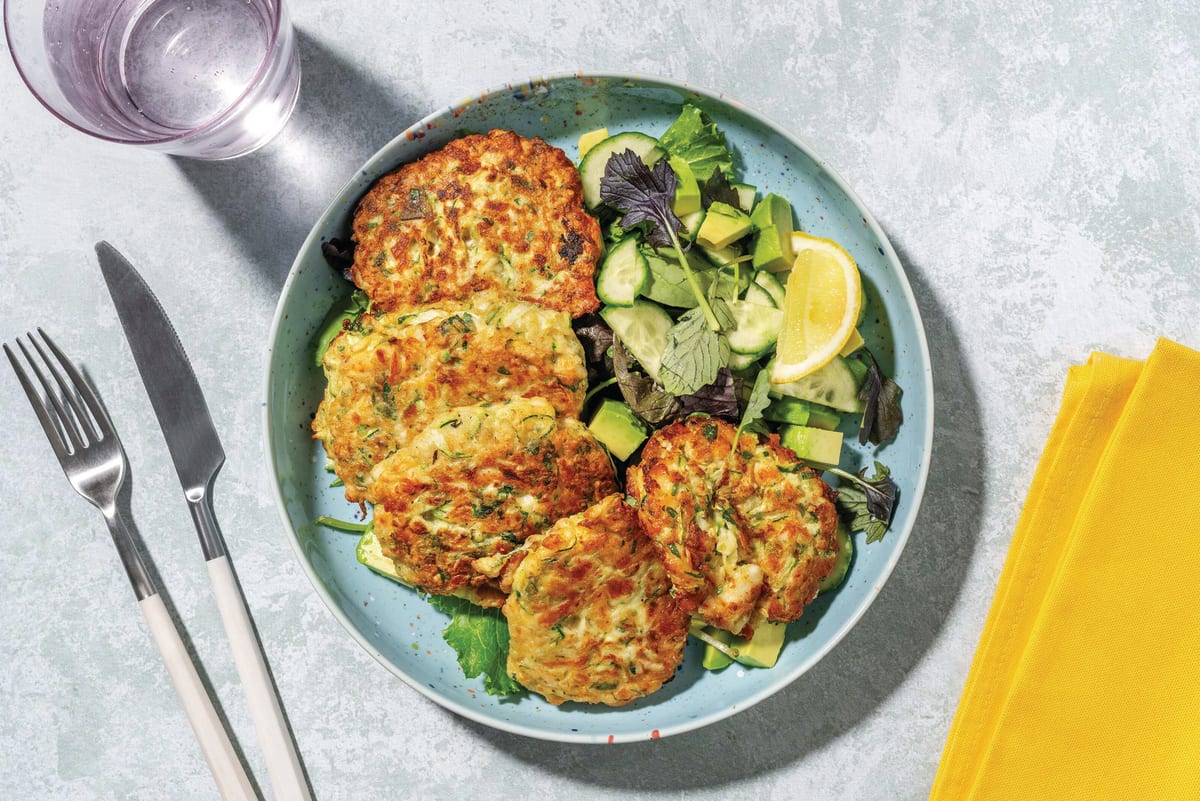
(277, 19)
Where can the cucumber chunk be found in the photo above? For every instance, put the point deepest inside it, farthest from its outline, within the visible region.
(757, 327)
(771, 286)
(759, 297)
(642, 328)
(623, 274)
(842, 565)
(591, 169)
(834, 385)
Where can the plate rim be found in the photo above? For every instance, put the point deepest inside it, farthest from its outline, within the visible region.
(409, 134)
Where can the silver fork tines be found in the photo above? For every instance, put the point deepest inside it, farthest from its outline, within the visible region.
(83, 438)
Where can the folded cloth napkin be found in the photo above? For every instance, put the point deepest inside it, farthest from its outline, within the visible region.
(1086, 681)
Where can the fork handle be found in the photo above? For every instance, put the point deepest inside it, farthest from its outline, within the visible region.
(222, 760)
(279, 749)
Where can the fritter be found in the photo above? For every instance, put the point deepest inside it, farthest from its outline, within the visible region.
(591, 617)
(486, 212)
(745, 532)
(459, 498)
(391, 373)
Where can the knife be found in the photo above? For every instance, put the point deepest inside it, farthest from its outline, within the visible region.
(197, 454)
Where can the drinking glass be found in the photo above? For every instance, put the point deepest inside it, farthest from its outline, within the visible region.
(209, 79)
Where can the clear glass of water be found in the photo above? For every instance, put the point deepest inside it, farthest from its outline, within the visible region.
(209, 79)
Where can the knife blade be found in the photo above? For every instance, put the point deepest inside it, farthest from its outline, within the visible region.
(167, 374)
(196, 451)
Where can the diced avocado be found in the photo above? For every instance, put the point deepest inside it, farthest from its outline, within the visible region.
(853, 343)
(370, 553)
(823, 417)
(842, 565)
(588, 140)
(715, 659)
(723, 226)
(762, 650)
(788, 410)
(814, 445)
(858, 368)
(773, 250)
(746, 194)
(618, 428)
(687, 190)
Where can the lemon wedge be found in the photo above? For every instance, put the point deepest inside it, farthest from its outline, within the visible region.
(820, 308)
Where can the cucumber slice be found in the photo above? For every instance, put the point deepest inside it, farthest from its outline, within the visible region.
(623, 274)
(642, 328)
(758, 296)
(591, 169)
(757, 327)
(841, 565)
(771, 285)
(746, 194)
(722, 257)
(691, 225)
(834, 385)
(742, 361)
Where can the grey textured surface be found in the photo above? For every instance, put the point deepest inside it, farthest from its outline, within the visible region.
(1038, 170)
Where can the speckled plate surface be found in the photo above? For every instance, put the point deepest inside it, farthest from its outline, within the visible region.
(400, 629)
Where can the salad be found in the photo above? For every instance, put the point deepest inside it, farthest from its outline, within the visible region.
(715, 302)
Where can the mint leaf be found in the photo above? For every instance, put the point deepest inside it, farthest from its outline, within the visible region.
(867, 502)
(480, 639)
(694, 354)
(882, 416)
(643, 194)
(695, 138)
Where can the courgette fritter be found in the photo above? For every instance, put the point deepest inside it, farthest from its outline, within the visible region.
(459, 498)
(591, 617)
(745, 532)
(391, 373)
(487, 212)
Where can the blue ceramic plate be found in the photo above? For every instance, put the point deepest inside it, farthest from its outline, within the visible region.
(400, 629)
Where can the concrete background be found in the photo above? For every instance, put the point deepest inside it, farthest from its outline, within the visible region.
(1037, 168)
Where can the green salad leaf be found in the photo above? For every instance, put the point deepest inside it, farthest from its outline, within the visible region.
(867, 502)
(696, 139)
(882, 415)
(480, 638)
(695, 353)
(757, 403)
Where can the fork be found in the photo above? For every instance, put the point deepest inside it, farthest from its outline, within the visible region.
(86, 444)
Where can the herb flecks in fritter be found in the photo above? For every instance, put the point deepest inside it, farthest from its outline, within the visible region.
(746, 530)
(487, 212)
(453, 504)
(591, 617)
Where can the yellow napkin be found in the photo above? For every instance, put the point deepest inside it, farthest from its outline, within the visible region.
(1086, 682)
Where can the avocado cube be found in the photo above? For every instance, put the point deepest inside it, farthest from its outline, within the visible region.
(773, 250)
(823, 417)
(814, 445)
(723, 226)
(590, 139)
(618, 429)
(762, 650)
(687, 188)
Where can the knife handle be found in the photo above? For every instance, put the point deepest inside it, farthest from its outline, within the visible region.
(279, 749)
(222, 760)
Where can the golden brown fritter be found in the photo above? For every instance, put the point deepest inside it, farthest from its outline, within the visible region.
(492, 212)
(452, 504)
(745, 532)
(391, 373)
(591, 617)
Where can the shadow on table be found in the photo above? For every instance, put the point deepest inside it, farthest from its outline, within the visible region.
(269, 200)
(869, 664)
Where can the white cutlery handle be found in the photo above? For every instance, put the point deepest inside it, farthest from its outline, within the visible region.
(222, 760)
(279, 751)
